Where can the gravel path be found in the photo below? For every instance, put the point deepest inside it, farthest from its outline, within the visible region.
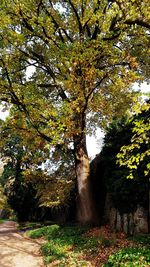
(17, 250)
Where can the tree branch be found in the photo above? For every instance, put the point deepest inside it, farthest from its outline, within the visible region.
(7, 73)
(138, 22)
(77, 16)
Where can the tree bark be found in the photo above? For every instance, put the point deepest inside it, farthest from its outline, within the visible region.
(86, 212)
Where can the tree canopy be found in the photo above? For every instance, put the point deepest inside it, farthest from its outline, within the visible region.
(84, 55)
(69, 66)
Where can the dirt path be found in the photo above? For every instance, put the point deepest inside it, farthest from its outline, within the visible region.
(17, 250)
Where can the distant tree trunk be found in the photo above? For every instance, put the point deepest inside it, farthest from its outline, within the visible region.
(86, 212)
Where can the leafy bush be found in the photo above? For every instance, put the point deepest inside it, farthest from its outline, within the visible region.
(54, 250)
(130, 257)
(46, 231)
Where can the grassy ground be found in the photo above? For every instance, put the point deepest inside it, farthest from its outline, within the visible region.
(74, 246)
(24, 226)
(2, 220)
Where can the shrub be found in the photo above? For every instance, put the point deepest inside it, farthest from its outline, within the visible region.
(46, 231)
(129, 257)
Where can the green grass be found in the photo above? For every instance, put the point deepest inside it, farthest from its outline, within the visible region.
(66, 244)
(32, 225)
(2, 221)
(5, 220)
(138, 256)
(28, 225)
(130, 257)
(71, 246)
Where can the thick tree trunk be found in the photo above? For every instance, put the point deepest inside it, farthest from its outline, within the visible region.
(86, 212)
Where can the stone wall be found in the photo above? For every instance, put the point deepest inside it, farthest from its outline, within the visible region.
(130, 223)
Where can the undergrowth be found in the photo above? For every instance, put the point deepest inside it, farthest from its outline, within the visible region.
(137, 256)
(130, 257)
(74, 246)
(67, 244)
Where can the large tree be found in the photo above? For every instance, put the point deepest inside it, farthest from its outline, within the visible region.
(84, 55)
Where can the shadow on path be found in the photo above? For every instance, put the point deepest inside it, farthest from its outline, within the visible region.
(17, 250)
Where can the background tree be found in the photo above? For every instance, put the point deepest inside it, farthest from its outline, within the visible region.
(136, 155)
(5, 211)
(137, 152)
(110, 178)
(20, 195)
(85, 56)
(30, 189)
